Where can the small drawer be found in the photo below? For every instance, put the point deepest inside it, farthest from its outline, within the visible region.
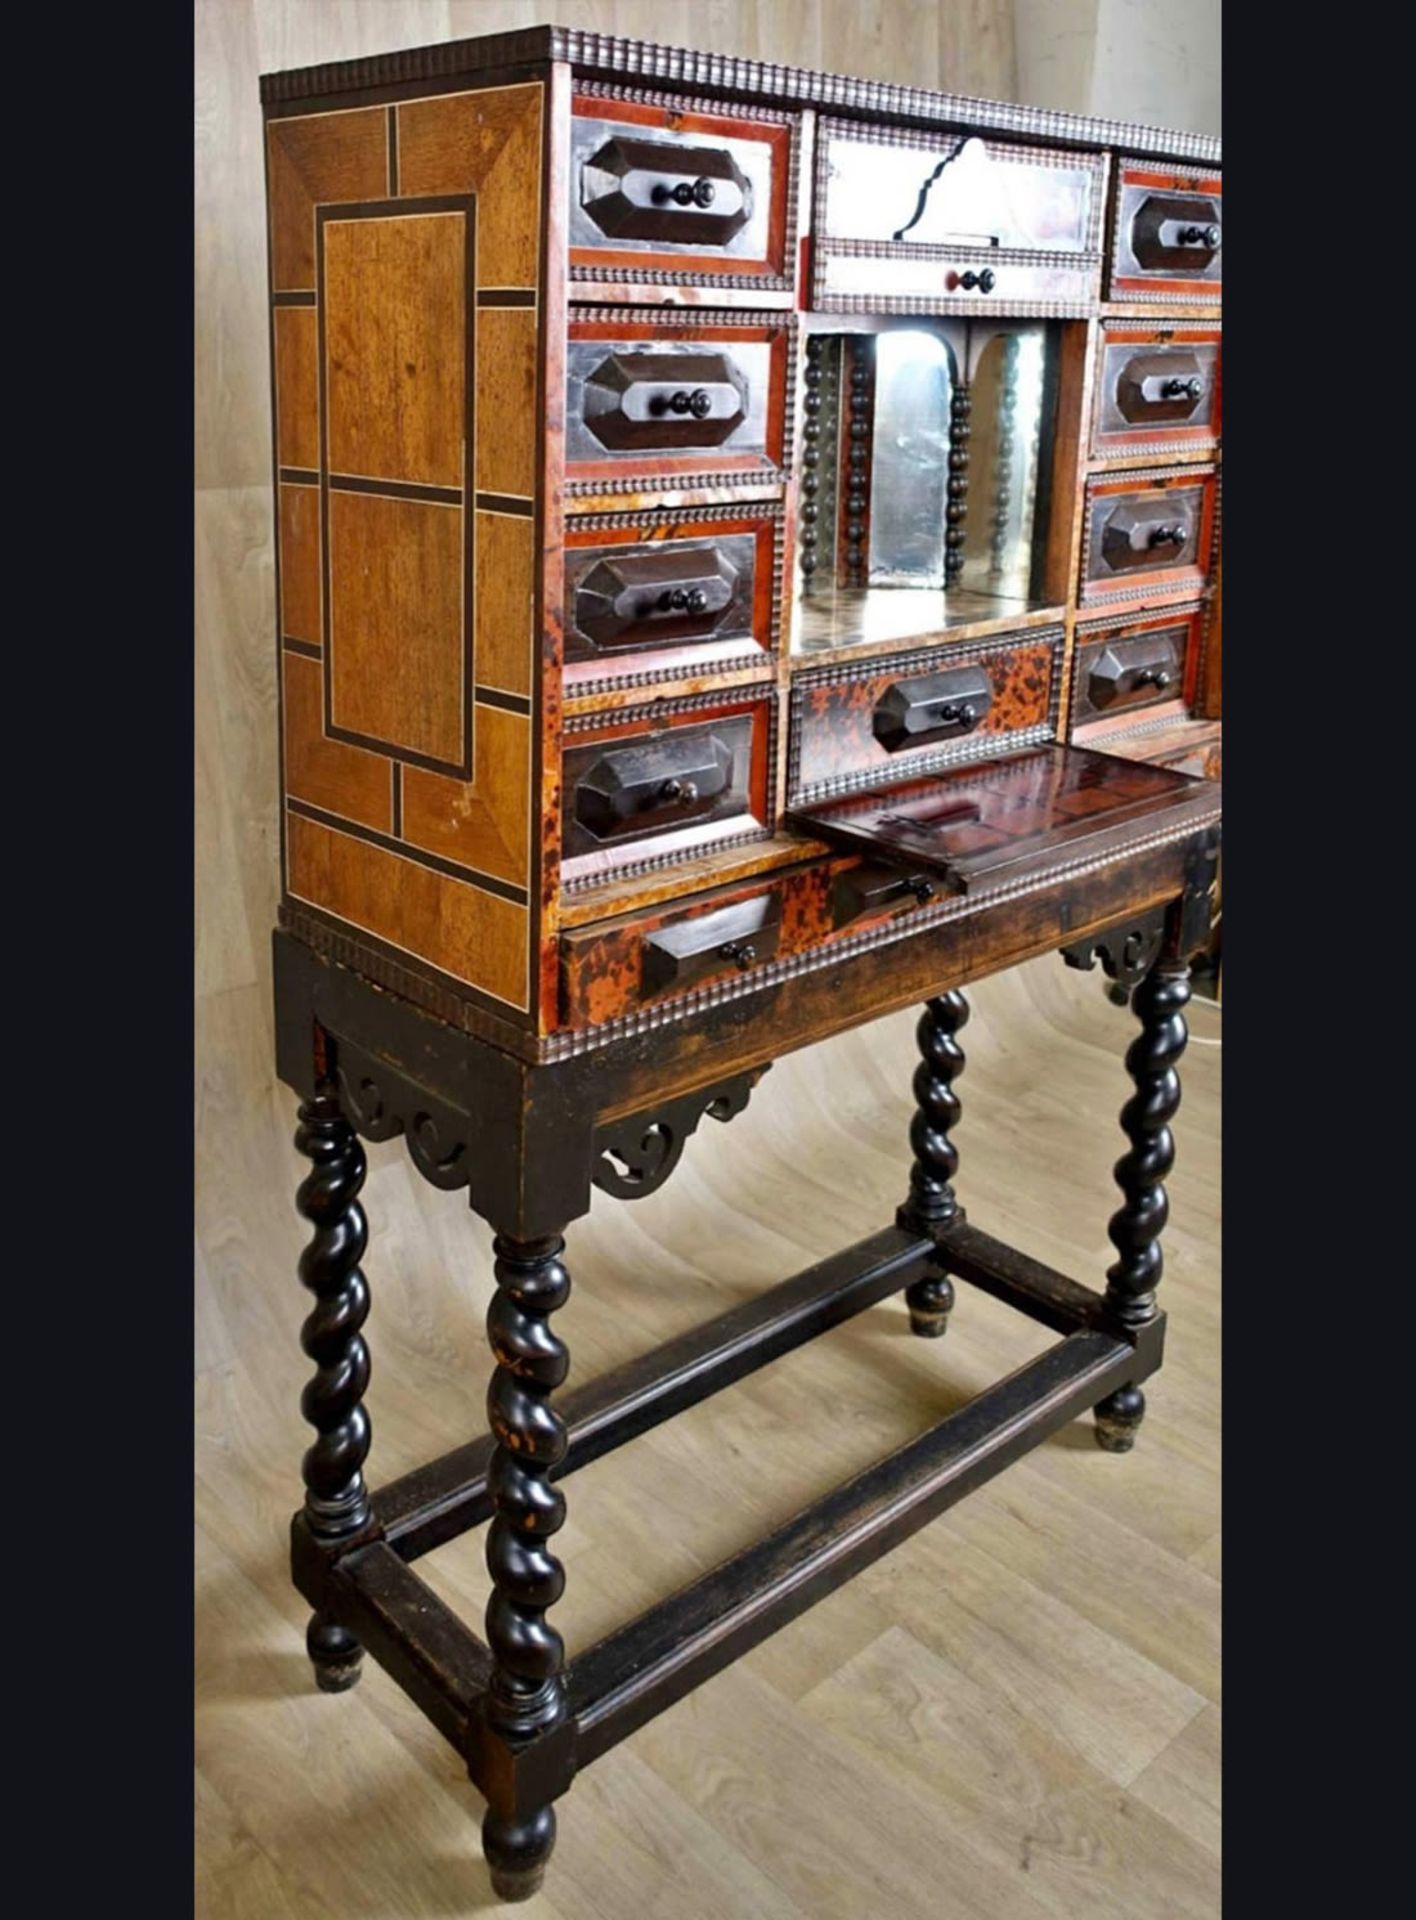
(673, 192)
(652, 594)
(614, 967)
(1124, 668)
(1148, 534)
(935, 280)
(892, 718)
(912, 221)
(657, 403)
(1167, 241)
(1158, 390)
(661, 781)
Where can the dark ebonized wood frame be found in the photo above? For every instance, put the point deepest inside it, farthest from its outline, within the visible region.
(529, 1140)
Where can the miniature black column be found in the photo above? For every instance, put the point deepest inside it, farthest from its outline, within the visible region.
(336, 1499)
(932, 1201)
(526, 1696)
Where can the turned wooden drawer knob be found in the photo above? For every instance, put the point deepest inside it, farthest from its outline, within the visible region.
(698, 403)
(684, 600)
(699, 194)
(742, 953)
(985, 281)
(681, 793)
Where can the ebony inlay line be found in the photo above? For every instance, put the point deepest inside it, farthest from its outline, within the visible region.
(306, 299)
(635, 1673)
(505, 503)
(488, 882)
(506, 297)
(397, 489)
(511, 702)
(392, 149)
(302, 647)
(437, 1502)
(298, 477)
(396, 802)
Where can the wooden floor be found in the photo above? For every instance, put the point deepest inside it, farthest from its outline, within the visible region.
(1014, 1714)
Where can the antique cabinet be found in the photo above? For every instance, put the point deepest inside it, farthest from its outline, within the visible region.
(747, 544)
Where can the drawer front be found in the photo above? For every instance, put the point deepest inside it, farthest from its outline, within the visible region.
(1158, 391)
(617, 967)
(664, 596)
(1123, 669)
(948, 222)
(674, 399)
(1167, 241)
(938, 280)
(890, 719)
(659, 783)
(1148, 533)
(671, 192)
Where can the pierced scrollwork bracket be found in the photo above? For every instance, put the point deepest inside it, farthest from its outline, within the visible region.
(1127, 951)
(380, 1103)
(636, 1154)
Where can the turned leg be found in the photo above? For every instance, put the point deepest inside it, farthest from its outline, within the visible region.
(526, 1694)
(936, 1159)
(336, 1499)
(1135, 1228)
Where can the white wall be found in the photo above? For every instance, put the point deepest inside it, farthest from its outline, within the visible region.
(1156, 61)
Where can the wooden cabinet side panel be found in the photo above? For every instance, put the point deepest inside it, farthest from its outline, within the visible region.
(410, 273)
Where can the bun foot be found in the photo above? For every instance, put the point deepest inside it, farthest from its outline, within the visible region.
(1118, 1419)
(930, 1302)
(517, 1852)
(336, 1655)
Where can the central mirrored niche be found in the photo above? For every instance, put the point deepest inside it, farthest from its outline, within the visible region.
(926, 451)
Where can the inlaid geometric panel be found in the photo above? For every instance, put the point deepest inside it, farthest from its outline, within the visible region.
(397, 343)
(396, 641)
(405, 267)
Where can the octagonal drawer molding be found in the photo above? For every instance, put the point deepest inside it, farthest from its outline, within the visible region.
(654, 598)
(641, 787)
(1132, 669)
(886, 720)
(1157, 391)
(667, 402)
(1167, 236)
(664, 191)
(1148, 534)
(909, 221)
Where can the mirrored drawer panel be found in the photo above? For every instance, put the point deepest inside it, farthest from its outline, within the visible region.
(1158, 390)
(884, 720)
(906, 220)
(660, 400)
(1128, 667)
(1148, 534)
(649, 783)
(1167, 240)
(648, 593)
(676, 192)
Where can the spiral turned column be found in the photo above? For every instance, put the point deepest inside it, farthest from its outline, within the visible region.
(932, 1201)
(1135, 1228)
(336, 1499)
(526, 1694)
